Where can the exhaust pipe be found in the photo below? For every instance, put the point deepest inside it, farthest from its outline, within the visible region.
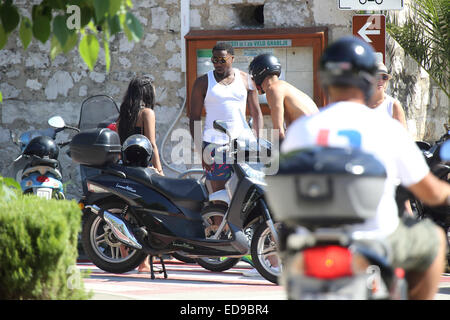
(117, 225)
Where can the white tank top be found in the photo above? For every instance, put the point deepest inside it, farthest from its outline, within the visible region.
(227, 103)
(387, 105)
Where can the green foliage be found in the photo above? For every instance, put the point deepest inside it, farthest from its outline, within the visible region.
(60, 29)
(3, 36)
(425, 37)
(38, 249)
(89, 48)
(9, 16)
(133, 28)
(9, 189)
(25, 32)
(67, 22)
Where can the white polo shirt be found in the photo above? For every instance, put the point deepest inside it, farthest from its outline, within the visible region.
(349, 124)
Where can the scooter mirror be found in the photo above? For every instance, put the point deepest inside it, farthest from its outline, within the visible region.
(56, 122)
(444, 153)
(15, 138)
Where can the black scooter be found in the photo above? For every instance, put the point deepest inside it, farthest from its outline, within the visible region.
(440, 167)
(132, 212)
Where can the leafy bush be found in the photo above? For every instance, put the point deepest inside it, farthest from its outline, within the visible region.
(9, 189)
(38, 247)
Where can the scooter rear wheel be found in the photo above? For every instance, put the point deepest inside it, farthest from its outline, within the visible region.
(101, 246)
(216, 264)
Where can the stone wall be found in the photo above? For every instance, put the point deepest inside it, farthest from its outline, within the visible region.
(35, 88)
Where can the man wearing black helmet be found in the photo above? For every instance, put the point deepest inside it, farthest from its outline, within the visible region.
(286, 102)
(348, 74)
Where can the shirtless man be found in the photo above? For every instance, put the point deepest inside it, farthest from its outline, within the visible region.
(286, 102)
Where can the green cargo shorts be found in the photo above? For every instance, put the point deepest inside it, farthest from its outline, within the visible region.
(414, 244)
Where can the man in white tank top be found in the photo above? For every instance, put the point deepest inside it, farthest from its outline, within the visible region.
(225, 93)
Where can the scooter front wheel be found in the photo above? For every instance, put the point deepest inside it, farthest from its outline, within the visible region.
(264, 253)
(212, 216)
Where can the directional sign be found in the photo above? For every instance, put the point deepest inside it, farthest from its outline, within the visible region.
(372, 29)
(371, 4)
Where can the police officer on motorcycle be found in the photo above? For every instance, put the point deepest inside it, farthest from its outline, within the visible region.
(348, 75)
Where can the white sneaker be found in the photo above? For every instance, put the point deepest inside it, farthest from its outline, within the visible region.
(251, 273)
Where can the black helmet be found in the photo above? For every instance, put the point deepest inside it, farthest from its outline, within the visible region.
(137, 151)
(43, 147)
(349, 61)
(264, 65)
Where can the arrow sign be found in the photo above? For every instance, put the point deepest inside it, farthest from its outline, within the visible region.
(363, 32)
(372, 29)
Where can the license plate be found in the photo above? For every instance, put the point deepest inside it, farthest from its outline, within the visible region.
(45, 193)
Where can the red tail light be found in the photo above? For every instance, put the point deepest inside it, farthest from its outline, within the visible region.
(42, 179)
(327, 262)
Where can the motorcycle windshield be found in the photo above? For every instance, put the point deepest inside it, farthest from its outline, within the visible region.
(98, 112)
(27, 136)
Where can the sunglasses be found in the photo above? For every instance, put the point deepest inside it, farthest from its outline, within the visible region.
(383, 77)
(221, 60)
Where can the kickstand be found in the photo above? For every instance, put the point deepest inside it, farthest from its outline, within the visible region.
(152, 272)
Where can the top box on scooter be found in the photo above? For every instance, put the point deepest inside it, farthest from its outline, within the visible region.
(324, 186)
(96, 147)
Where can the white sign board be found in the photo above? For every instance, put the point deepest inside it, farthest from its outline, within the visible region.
(370, 4)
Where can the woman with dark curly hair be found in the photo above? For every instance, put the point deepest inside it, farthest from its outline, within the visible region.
(137, 115)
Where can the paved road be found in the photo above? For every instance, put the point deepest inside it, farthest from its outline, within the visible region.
(192, 282)
(184, 282)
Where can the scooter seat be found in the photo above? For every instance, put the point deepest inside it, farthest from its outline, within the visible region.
(179, 189)
(175, 189)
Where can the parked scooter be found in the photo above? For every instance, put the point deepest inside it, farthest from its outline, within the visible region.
(223, 197)
(440, 167)
(101, 111)
(37, 168)
(153, 215)
(319, 194)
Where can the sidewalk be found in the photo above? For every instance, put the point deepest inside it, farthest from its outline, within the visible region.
(192, 282)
